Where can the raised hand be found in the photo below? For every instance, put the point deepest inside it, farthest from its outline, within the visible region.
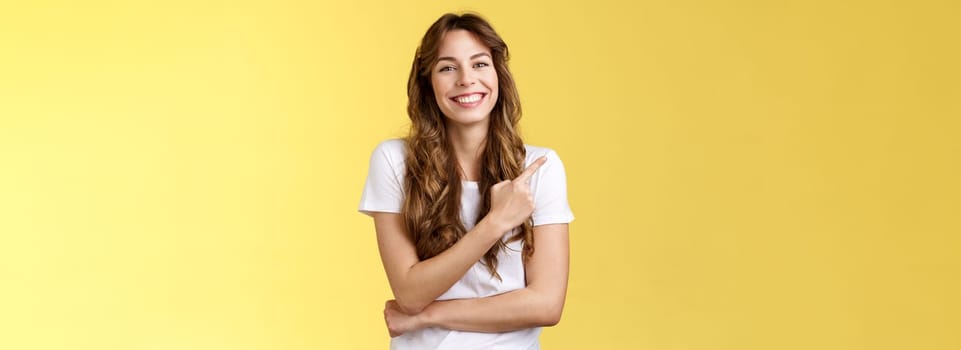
(511, 200)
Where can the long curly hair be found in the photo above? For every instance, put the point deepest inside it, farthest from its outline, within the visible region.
(432, 183)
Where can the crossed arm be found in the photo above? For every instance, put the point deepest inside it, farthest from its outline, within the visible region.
(416, 284)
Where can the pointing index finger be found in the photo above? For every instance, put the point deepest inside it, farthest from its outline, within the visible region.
(531, 169)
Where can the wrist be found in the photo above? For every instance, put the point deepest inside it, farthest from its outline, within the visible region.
(497, 227)
(428, 317)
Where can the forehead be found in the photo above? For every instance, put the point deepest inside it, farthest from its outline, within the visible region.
(460, 44)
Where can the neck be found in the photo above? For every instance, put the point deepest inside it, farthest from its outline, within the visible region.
(468, 142)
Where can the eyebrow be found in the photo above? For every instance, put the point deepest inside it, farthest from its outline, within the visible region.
(476, 55)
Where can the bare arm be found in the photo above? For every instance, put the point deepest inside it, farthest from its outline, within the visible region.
(539, 304)
(417, 283)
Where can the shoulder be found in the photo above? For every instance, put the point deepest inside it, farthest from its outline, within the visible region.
(534, 152)
(392, 146)
(383, 190)
(549, 188)
(391, 150)
(388, 157)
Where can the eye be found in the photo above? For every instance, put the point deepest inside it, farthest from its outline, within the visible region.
(481, 64)
(446, 69)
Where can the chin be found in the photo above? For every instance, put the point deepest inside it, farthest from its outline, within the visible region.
(468, 119)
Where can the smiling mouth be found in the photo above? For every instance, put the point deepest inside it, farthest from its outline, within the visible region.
(469, 100)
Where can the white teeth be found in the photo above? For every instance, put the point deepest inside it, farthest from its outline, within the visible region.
(469, 98)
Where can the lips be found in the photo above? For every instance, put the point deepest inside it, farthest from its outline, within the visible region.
(469, 100)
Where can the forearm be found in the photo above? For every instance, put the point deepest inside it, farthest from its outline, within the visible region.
(426, 280)
(518, 309)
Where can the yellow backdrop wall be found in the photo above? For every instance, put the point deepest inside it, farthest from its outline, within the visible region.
(745, 174)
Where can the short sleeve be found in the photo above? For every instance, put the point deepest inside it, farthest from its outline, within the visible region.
(383, 190)
(549, 188)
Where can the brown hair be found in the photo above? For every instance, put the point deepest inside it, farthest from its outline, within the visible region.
(432, 184)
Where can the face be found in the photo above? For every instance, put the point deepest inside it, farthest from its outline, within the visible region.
(464, 79)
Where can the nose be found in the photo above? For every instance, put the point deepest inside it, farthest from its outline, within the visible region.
(466, 78)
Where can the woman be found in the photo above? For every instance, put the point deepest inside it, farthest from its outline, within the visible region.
(472, 224)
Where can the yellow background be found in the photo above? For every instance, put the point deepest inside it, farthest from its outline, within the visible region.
(745, 174)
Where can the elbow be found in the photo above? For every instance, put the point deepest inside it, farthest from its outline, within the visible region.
(410, 300)
(550, 318)
(550, 314)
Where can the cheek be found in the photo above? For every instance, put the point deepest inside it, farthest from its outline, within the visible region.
(438, 87)
(495, 91)
(492, 82)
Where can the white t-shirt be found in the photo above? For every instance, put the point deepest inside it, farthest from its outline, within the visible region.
(383, 192)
